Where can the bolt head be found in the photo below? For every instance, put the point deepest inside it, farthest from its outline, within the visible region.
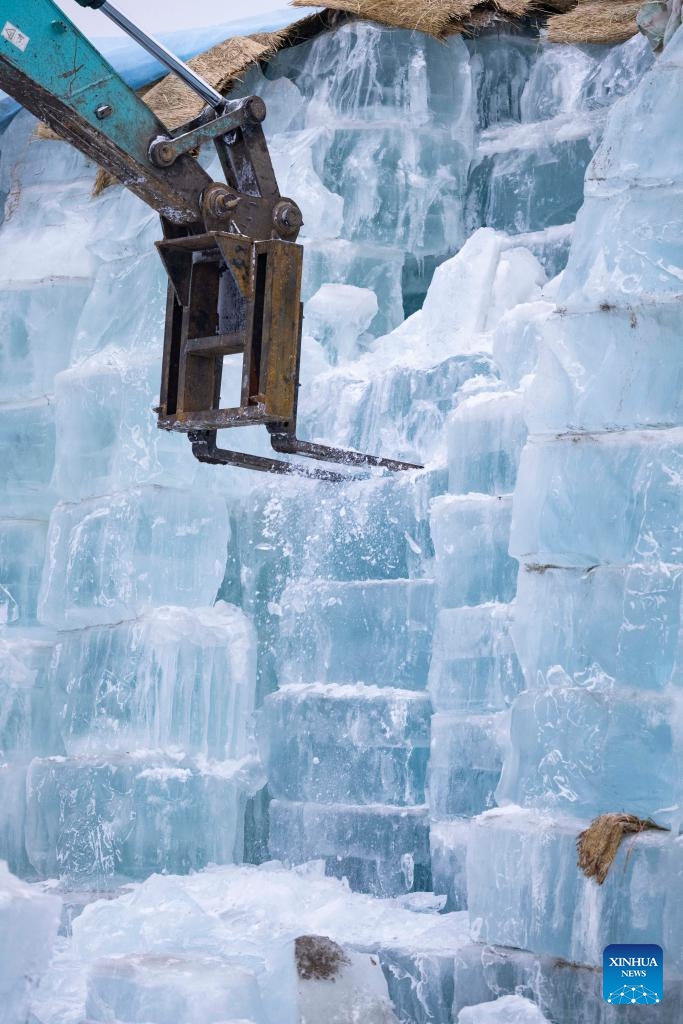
(255, 109)
(164, 154)
(287, 216)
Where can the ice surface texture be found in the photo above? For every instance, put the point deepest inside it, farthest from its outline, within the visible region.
(506, 1010)
(596, 525)
(28, 926)
(388, 619)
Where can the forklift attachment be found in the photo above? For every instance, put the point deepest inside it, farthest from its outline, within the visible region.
(231, 295)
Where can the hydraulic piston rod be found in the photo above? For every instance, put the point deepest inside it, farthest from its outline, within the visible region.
(159, 51)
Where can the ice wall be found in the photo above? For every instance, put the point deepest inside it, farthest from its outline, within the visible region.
(125, 693)
(398, 663)
(596, 528)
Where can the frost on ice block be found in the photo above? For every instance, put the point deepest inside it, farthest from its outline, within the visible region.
(465, 763)
(176, 677)
(22, 550)
(403, 185)
(630, 379)
(337, 316)
(373, 529)
(358, 74)
(525, 889)
(553, 173)
(375, 632)
(28, 928)
(472, 564)
(27, 457)
(474, 666)
(448, 847)
(38, 325)
(380, 849)
(26, 728)
(566, 993)
(576, 749)
(13, 816)
(353, 744)
(512, 1009)
(90, 819)
(486, 434)
(149, 989)
(561, 518)
(623, 623)
(111, 557)
(107, 437)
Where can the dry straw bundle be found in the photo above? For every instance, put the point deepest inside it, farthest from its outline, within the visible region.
(442, 18)
(433, 17)
(599, 844)
(595, 21)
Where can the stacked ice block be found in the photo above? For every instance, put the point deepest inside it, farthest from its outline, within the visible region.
(125, 695)
(596, 527)
(380, 628)
(474, 671)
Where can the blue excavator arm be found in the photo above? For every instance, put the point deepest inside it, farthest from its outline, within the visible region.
(49, 66)
(229, 247)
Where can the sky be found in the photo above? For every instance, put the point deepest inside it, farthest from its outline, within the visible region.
(157, 16)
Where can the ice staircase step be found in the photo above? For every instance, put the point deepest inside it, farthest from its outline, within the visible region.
(352, 744)
(486, 434)
(471, 536)
(562, 519)
(448, 848)
(28, 925)
(585, 751)
(503, 1010)
(149, 989)
(376, 632)
(380, 849)
(553, 171)
(22, 551)
(175, 677)
(403, 409)
(474, 666)
(26, 728)
(525, 889)
(27, 457)
(629, 381)
(621, 624)
(112, 557)
(98, 818)
(465, 763)
(37, 334)
(373, 529)
(566, 993)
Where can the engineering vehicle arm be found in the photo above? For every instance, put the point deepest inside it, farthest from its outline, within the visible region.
(229, 248)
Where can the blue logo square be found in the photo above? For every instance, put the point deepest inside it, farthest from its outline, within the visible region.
(633, 974)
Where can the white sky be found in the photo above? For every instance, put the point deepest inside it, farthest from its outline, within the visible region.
(157, 16)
